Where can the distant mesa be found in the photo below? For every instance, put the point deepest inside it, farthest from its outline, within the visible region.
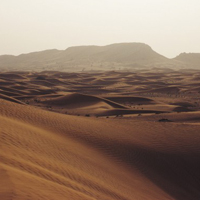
(83, 58)
(119, 53)
(110, 57)
(189, 58)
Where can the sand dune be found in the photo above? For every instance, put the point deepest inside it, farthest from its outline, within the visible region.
(80, 100)
(135, 100)
(11, 76)
(138, 92)
(8, 98)
(83, 158)
(136, 135)
(50, 156)
(83, 104)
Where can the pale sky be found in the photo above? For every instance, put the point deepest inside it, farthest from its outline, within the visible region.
(168, 26)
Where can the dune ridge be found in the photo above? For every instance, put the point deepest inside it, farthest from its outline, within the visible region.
(104, 93)
(44, 153)
(109, 135)
(44, 144)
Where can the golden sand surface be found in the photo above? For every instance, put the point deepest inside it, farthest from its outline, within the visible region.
(100, 136)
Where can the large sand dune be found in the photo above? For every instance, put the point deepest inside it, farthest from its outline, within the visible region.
(49, 156)
(151, 152)
(106, 93)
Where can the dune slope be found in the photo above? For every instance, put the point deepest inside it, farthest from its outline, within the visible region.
(47, 155)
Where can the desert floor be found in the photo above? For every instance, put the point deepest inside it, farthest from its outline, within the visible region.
(100, 135)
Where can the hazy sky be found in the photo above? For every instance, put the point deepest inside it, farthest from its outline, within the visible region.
(168, 26)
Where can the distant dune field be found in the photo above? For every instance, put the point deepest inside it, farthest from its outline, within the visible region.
(100, 136)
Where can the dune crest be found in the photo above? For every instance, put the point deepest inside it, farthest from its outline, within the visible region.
(37, 154)
(106, 135)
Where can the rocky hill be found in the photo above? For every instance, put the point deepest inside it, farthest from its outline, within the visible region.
(115, 56)
(189, 59)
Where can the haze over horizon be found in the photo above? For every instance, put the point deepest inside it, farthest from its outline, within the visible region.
(99, 99)
(169, 27)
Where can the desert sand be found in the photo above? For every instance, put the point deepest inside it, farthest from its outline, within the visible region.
(100, 135)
